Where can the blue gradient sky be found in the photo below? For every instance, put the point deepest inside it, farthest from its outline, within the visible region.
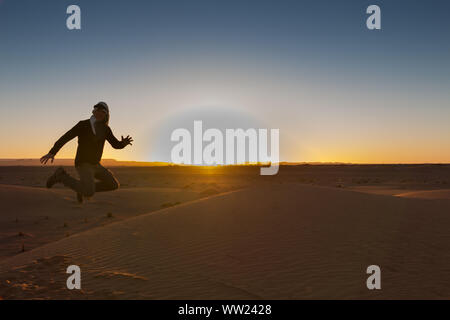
(336, 90)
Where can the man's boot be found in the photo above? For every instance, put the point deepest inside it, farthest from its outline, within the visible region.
(55, 177)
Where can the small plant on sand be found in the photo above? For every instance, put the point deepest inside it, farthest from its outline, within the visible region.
(166, 205)
(361, 180)
(208, 192)
(169, 204)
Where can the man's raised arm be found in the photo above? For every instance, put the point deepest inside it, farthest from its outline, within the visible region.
(116, 144)
(69, 135)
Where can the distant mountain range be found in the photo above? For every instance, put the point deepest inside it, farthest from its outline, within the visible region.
(70, 162)
(118, 163)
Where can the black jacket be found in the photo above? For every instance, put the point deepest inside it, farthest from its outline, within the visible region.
(90, 147)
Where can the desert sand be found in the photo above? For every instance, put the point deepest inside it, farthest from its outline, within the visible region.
(231, 234)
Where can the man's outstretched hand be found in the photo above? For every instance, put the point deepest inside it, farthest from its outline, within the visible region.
(47, 157)
(127, 140)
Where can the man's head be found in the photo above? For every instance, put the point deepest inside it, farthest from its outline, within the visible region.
(101, 112)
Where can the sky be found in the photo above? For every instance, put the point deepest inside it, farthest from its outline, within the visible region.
(337, 91)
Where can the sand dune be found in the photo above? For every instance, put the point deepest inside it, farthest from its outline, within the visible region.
(32, 216)
(428, 194)
(381, 190)
(301, 242)
(392, 191)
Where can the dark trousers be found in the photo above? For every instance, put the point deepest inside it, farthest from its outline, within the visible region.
(87, 185)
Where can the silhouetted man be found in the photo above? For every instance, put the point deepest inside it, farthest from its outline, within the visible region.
(91, 134)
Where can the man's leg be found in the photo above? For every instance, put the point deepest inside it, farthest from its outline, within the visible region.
(107, 181)
(85, 186)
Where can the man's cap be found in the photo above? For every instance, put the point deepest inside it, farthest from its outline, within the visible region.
(102, 105)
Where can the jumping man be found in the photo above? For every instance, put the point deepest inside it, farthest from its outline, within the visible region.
(91, 134)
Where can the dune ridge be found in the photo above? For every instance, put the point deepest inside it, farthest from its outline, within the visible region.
(427, 194)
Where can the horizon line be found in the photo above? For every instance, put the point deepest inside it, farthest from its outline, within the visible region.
(281, 163)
